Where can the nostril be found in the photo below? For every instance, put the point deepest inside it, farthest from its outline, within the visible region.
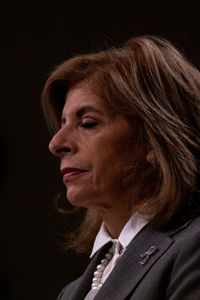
(66, 149)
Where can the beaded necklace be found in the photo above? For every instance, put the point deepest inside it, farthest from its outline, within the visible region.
(96, 282)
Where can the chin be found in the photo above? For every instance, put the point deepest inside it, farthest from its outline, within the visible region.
(77, 199)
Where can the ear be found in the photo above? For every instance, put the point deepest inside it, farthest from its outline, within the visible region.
(150, 157)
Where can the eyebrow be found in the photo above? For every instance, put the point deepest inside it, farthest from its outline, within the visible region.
(84, 110)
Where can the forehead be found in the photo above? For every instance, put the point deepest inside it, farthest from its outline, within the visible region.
(80, 97)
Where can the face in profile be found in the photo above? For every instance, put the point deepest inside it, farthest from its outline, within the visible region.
(98, 151)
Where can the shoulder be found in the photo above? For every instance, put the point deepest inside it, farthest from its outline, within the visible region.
(185, 241)
(187, 233)
(185, 269)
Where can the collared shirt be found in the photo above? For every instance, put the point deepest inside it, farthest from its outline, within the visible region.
(132, 227)
(130, 230)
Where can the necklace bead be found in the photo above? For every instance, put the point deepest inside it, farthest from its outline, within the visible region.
(108, 256)
(104, 261)
(96, 281)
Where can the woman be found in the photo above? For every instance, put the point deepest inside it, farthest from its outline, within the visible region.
(128, 136)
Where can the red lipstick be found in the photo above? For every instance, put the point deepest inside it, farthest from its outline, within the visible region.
(70, 173)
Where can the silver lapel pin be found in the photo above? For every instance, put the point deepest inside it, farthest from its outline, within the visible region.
(145, 256)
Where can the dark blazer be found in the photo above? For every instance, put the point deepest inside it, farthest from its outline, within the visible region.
(170, 271)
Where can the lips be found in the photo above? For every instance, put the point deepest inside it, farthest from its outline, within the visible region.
(70, 173)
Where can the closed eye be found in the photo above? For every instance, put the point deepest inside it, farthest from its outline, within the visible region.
(89, 125)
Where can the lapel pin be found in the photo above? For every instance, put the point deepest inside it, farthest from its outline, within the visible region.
(145, 256)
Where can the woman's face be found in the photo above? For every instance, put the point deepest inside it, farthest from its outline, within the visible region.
(98, 151)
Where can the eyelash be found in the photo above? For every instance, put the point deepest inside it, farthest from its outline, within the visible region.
(89, 125)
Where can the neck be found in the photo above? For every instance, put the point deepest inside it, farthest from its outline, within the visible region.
(115, 222)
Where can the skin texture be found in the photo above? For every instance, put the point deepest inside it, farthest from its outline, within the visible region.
(102, 143)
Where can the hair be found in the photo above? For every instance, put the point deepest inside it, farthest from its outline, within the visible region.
(149, 79)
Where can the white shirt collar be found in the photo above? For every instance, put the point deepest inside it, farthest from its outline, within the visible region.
(132, 227)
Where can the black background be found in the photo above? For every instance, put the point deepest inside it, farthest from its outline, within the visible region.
(36, 36)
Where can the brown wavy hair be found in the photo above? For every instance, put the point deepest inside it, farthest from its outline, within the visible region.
(148, 79)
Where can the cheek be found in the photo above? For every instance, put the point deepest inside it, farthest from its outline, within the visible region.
(112, 163)
(120, 159)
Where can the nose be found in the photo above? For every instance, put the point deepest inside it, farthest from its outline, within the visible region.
(60, 144)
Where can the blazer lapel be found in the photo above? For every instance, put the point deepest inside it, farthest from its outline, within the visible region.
(80, 287)
(144, 250)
